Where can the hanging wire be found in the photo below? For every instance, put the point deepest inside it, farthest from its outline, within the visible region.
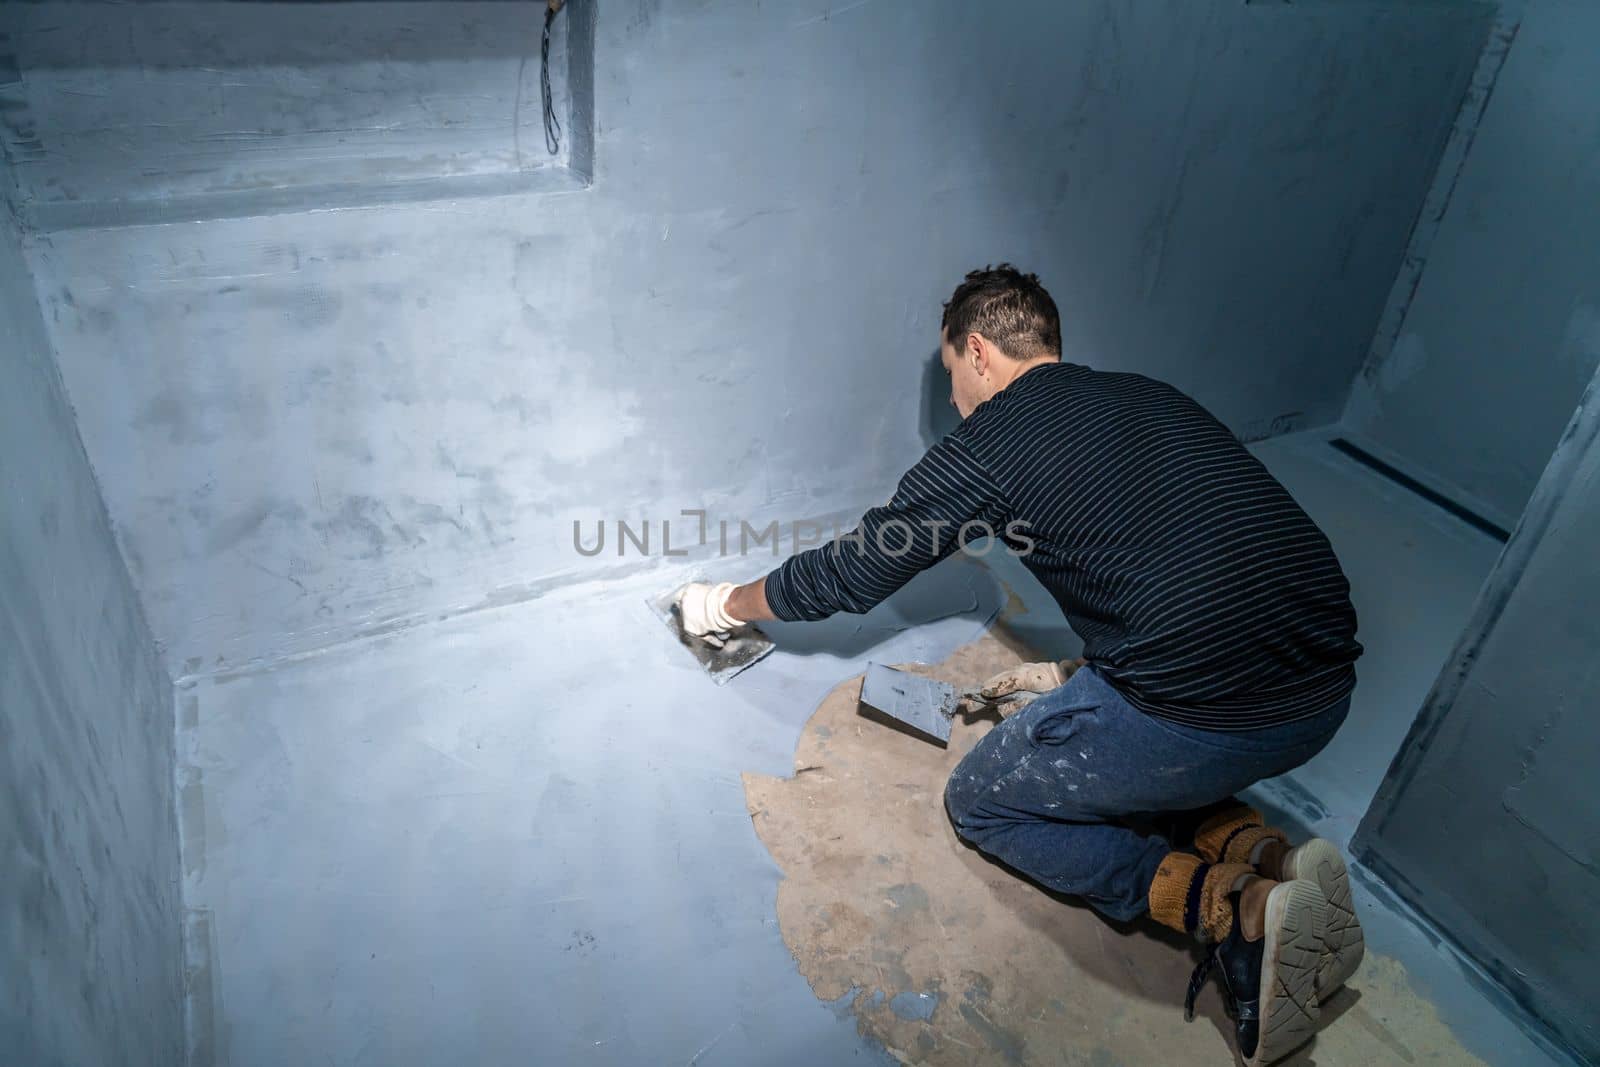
(552, 125)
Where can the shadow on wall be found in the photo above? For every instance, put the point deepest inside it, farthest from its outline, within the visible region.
(988, 586)
(938, 416)
(957, 586)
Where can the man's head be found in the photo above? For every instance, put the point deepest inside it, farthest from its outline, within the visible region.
(998, 323)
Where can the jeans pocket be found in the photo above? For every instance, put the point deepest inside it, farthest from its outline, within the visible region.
(1056, 726)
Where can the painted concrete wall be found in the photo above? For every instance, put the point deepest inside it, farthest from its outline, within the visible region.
(1489, 821)
(89, 909)
(317, 425)
(379, 91)
(1504, 328)
(130, 122)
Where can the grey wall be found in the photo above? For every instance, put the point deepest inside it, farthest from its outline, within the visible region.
(89, 909)
(317, 425)
(1489, 821)
(1504, 328)
(133, 121)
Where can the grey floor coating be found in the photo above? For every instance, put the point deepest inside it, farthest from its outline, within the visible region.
(520, 836)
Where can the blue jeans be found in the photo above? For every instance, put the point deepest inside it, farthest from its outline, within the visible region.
(1084, 793)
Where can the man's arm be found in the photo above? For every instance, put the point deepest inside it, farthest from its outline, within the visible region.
(928, 517)
(748, 603)
(921, 524)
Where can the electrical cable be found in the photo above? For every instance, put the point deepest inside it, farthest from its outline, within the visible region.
(552, 125)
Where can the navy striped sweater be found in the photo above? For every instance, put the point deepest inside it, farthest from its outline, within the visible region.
(1201, 590)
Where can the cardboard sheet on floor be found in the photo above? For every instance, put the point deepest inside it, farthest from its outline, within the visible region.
(948, 958)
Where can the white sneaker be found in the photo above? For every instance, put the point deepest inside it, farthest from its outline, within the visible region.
(1343, 943)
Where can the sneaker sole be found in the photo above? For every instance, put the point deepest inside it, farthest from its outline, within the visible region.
(1296, 914)
(1343, 941)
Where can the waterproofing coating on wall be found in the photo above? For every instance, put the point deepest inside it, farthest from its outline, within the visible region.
(1491, 800)
(312, 426)
(1503, 331)
(89, 907)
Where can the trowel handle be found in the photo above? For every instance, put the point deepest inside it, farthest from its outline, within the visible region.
(975, 695)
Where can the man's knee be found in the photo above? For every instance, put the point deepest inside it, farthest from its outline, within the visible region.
(960, 797)
(954, 803)
(975, 780)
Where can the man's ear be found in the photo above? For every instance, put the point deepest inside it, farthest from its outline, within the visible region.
(977, 352)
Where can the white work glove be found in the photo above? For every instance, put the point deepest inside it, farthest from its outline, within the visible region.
(703, 607)
(1019, 686)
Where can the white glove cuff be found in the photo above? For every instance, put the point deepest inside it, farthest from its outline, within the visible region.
(717, 607)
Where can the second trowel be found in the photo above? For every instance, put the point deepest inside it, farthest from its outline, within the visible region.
(927, 705)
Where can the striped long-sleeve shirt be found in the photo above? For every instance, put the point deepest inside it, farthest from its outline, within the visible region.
(1201, 590)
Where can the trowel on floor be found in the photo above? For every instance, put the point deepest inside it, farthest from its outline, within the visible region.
(721, 658)
(927, 705)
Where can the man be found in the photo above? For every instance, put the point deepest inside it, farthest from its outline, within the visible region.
(1219, 643)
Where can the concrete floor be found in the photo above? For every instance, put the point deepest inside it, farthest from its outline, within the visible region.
(520, 835)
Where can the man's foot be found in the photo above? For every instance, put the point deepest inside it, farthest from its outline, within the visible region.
(1267, 967)
(1343, 943)
(1236, 835)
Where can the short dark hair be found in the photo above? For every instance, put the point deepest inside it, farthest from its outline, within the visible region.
(1008, 307)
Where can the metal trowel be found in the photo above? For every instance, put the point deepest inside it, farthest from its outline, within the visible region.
(926, 705)
(742, 648)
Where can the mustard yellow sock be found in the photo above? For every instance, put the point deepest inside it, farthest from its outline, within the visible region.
(1171, 888)
(1190, 895)
(1231, 836)
(1214, 916)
